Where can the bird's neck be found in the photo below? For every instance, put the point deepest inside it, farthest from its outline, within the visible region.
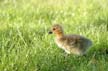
(59, 35)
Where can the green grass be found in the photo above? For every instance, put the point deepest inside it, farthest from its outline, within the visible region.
(26, 46)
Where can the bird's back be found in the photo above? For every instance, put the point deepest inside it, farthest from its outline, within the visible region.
(75, 42)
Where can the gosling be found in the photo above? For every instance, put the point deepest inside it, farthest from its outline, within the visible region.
(71, 44)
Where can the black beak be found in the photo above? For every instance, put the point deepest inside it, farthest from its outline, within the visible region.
(49, 32)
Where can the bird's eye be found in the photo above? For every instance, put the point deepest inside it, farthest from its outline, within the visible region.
(53, 28)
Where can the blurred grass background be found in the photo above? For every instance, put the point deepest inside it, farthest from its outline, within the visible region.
(26, 46)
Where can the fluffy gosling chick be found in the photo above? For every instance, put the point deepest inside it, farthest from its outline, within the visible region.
(74, 44)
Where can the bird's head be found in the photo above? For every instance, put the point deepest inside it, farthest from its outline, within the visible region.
(56, 29)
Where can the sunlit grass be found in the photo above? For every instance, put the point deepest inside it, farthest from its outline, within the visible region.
(26, 46)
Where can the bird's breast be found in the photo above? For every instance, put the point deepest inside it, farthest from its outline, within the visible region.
(61, 44)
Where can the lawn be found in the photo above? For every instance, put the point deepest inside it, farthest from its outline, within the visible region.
(25, 44)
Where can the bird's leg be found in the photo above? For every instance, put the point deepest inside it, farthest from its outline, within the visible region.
(68, 52)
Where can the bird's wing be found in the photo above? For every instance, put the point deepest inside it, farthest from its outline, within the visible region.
(74, 40)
